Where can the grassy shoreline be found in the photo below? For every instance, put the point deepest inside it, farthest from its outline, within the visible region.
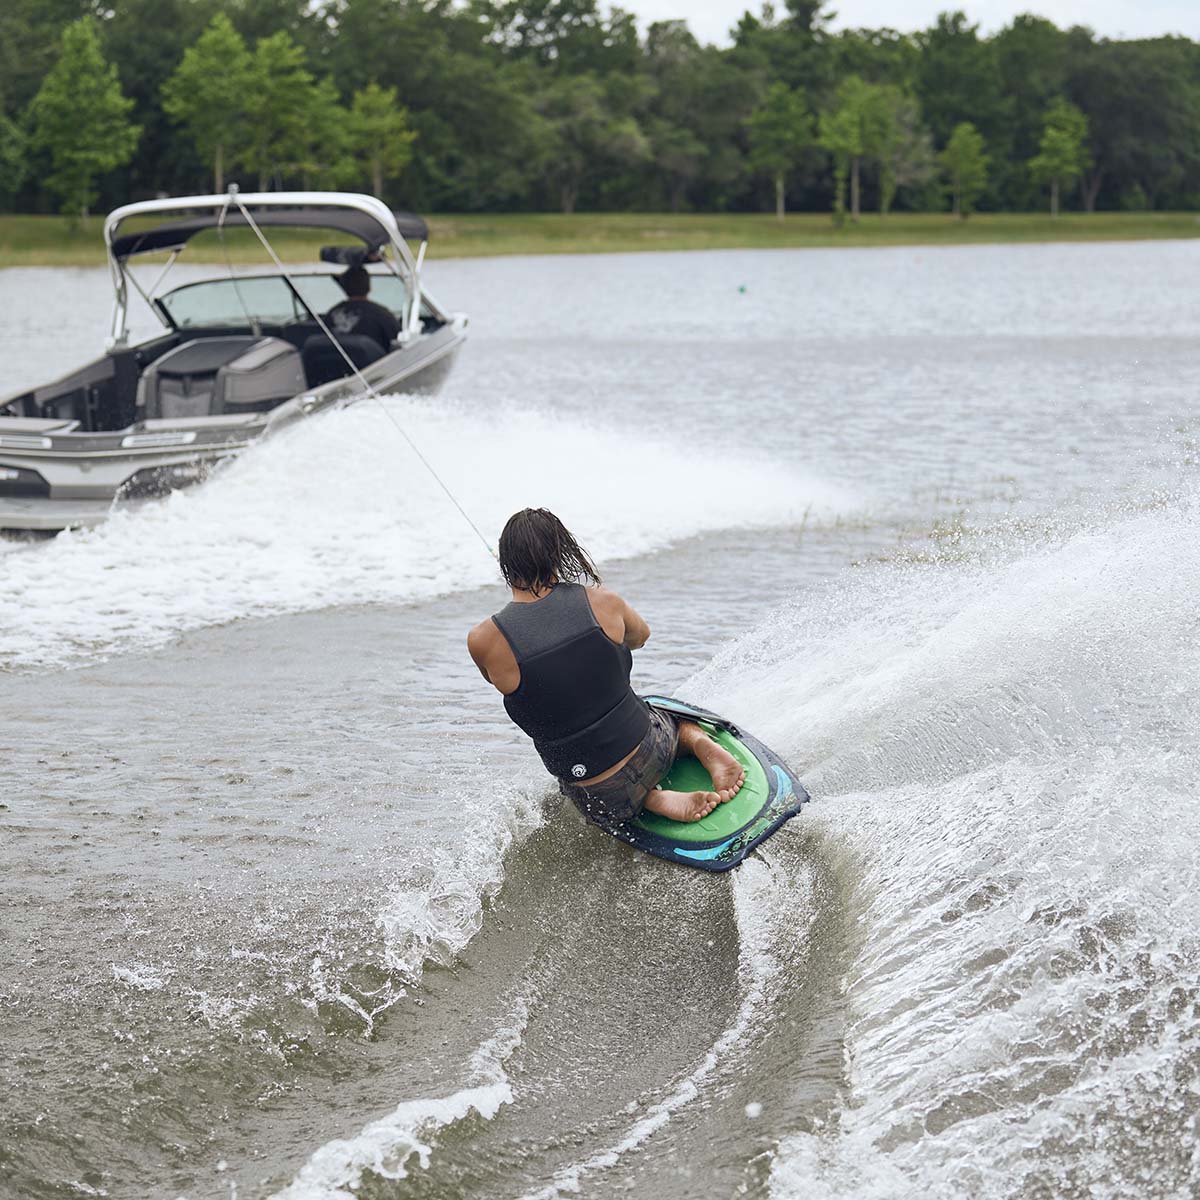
(38, 241)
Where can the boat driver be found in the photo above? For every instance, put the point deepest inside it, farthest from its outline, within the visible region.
(560, 654)
(359, 316)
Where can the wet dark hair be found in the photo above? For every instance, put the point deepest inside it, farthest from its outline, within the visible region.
(355, 281)
(537, 550)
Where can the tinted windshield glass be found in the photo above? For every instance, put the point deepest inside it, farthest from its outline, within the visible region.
(267, 299)
(233, 302)
(321, 292)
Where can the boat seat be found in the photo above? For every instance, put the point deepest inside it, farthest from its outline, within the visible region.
(298, 332)
(41, 425)
(211, 377)
(324, 362)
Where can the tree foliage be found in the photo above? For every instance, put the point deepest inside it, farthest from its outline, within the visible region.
(379, 134)
(584, 135)
(679, 156)
(81, 120)
(30, 44)
(1033, 59)
(321, 145)
(146, 41)
(966, 165)
(12, 160)
(280, 101)
(518, 104)
(908, 163)
(209, 95)
(781, 130)
(861, 125)
(1142, 102)
(1062, 156)
(958, 79)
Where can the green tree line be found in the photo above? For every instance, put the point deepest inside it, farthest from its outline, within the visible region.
(494, 105)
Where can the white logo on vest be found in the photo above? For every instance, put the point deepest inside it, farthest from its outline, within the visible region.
(579, 770)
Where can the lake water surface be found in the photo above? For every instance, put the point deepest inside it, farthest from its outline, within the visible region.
(289, 909)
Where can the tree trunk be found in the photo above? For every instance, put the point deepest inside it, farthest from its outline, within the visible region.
(1054, 197)
(219, 169)
(887, 190)
(956, 207)
(779, 196)
(1091, 190)
(568, 194)
(377, 177)
(854, 190)
(839, 192)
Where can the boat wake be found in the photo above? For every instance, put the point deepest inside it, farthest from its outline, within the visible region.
(339, 511)
(970, 968)
(1003, 755)
(386, 1146)
(760, 983)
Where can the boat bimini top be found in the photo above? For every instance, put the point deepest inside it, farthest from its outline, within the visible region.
(383, 235)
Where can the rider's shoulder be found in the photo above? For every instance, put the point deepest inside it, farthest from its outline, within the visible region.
(482, 634)
(605, 599)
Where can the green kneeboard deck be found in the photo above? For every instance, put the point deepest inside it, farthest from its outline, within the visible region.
(770, 795)
(688, 775)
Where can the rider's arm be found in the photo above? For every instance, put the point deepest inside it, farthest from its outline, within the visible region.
(618, 618)
(637, 632)
(477, 644)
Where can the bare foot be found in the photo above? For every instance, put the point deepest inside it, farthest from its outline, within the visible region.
(727, 773)
(682, 806)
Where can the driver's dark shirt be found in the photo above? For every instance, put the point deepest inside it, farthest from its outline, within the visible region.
(364, 318)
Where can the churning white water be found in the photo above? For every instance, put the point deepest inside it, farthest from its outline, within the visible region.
(1006, 754)
(339, 511)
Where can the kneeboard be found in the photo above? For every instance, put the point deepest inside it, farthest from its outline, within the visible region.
(770, 795)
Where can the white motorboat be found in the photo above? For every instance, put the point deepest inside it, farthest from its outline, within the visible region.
(241, 355)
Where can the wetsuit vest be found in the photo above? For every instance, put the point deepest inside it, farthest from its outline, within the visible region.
(574, 697)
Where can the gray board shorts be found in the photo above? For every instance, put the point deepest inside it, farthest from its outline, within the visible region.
(622, 795)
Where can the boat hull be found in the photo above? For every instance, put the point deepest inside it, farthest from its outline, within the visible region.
(53, 478)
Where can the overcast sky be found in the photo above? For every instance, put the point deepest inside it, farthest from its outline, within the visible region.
(711, 20)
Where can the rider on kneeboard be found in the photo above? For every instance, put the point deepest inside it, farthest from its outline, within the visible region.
(560, 654)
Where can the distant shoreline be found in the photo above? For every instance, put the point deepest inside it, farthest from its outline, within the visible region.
(44, 241)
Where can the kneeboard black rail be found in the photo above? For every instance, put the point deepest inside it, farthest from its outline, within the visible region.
(770, 795)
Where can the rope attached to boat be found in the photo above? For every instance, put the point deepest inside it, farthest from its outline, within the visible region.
(362, 379)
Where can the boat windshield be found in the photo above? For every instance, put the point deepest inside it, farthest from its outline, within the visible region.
(268, 300)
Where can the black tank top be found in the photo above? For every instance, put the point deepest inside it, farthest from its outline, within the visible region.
(574, 697)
